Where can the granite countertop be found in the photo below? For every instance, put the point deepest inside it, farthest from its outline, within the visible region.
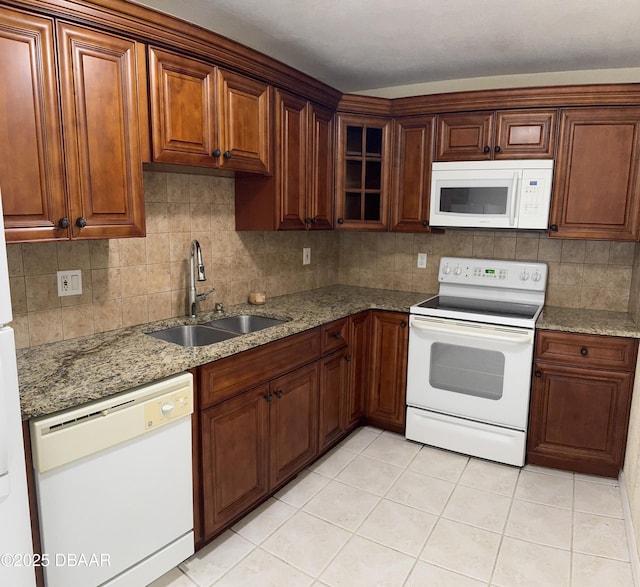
(588, 322)
(66, 374)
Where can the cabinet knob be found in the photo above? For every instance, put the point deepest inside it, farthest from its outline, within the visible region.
(314, 220)
(268, 397)
(347, 358)
(403, 324)
(340, 221)
(81, 222)
(487, 149)
(497, 149)
(278, 394)
(216, 153)
(308, 220)
(63, 222)
(554, 228)
(227, 154)
(336, 335)
(538, 373)
(425, 223)
(584, 351)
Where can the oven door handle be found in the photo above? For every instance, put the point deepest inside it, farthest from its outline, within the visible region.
(503, 334)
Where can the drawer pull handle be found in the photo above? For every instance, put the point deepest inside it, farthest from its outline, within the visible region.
(584, 351)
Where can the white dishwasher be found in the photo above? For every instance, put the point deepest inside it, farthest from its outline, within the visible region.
(114, 485)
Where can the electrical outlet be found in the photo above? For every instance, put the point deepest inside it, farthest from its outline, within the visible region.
(306, 255)
(422, 260)
(69, 282)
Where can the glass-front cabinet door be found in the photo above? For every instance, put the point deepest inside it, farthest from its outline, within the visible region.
(363, 178)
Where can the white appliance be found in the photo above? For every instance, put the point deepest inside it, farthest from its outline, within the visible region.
(470, 358)
(114, 484)
(491, 194)
(16, 551)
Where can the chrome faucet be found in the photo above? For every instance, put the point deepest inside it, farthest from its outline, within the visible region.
(196, 264)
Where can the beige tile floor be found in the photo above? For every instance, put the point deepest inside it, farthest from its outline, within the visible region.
(379, 510)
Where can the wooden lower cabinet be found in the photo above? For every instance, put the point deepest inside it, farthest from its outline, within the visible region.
(293, 419)
(386, 406)
(235, 449)
(580, 402)
(359, 341)
(267, 413)
(256, 441)
(334, 382)
(343, 377)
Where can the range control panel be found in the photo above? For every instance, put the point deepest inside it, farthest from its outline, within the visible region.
(493, 273)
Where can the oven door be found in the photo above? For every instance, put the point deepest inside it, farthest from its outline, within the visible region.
(476, 371)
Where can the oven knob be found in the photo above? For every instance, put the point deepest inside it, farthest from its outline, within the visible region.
(458, 270)
(536, 276)
(446, 269)
(524, 275)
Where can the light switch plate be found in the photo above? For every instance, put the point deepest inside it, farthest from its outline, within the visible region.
(422, 260)
(69, 282)
(306, 255)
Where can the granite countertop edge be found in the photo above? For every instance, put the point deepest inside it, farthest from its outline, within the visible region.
(66, 374)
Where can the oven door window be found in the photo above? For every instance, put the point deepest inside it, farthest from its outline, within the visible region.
(467, 370)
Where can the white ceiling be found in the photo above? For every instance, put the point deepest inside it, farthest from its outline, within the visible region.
(360, 45)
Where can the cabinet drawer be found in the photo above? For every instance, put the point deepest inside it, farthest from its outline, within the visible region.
(223, 379)
(333, 335)
(589, 350)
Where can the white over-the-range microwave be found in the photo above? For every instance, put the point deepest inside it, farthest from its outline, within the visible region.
(491, 194)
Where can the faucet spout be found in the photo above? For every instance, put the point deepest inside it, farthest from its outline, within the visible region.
(196, 272)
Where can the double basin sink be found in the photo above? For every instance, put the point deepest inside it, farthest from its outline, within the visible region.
(215, 331)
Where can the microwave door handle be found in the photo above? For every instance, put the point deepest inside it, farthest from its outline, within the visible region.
(514, 199)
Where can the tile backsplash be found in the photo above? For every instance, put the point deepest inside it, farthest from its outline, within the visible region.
(133, 281)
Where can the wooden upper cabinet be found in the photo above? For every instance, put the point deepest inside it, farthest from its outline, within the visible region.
(508, 134)
(202, 115)
(244, 123)
(320, 200)
(525, 134)
(31, 162)
(99, 89)
(291, 160)
(596, 193)
(412, 158)
(465, 136)
(95, 190)
(182, 102)
(299, 194)
(363, 172)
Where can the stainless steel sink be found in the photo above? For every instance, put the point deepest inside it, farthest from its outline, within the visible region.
(244, 324)
(193, 335)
